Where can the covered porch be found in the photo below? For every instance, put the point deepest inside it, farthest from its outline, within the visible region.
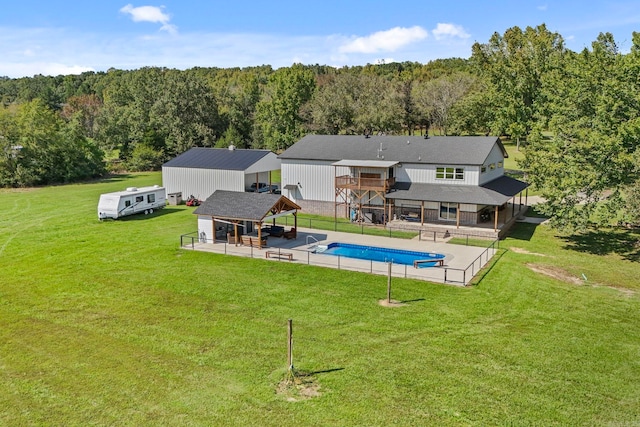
(493, 206)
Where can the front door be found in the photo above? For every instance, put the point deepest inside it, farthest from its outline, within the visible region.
(448, 211)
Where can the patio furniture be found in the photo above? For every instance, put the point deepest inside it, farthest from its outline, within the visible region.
(277, 254)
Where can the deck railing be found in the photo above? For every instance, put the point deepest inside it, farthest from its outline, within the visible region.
(355, 183)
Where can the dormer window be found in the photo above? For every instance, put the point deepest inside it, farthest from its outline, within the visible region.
(483, 169)
(449, 172)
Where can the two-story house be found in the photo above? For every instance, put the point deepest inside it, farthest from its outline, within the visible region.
(444, 179)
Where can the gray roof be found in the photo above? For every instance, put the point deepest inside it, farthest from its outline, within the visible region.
(448, 150)
(494, 193)
(241, 206)
(217, 158)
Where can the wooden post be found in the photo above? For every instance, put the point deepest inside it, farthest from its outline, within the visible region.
(235, 233)
(290, 345)
(422, 212)
(458, 215)
(389, 283)
(495, 222)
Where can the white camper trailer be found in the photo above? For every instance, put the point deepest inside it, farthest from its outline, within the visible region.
(131, 201)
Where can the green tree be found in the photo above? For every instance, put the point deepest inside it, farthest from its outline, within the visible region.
(278, 120)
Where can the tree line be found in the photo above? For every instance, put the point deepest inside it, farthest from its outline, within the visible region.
(576, 115)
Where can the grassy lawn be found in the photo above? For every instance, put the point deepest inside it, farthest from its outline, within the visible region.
(110, 323)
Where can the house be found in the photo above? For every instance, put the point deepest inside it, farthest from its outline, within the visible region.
(454, 180)
(202, 171)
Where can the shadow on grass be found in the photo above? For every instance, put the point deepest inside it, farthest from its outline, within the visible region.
(487, 268)
(324, 371)
(625, 243)
(412, 300)
(522, 231)
(141, 216)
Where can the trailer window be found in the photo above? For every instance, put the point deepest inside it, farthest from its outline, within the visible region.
(151, 198)
(127, 203)
(139, 199)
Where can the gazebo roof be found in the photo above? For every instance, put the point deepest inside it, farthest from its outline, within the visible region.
(241, 206)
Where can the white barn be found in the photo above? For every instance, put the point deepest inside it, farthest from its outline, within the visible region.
(442, 179)
(202, 171)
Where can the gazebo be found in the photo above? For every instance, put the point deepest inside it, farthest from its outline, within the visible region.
(250, 211)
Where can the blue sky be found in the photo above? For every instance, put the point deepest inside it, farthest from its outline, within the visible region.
(68, 37)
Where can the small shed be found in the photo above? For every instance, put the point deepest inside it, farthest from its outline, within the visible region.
(237, 213)
(201, 171)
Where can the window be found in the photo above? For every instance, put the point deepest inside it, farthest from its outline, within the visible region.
(139, 199)
(483, 169)
(151, 198)
(492, 166)
(448, 211)
(449, 173)
(127, 203)
(499, 164)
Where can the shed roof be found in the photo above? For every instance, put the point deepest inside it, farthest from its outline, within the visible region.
(242, 206)
(217, 158)
(459, 150)
(493, 193)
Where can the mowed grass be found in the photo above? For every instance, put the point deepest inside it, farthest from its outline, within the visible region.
(111, 323)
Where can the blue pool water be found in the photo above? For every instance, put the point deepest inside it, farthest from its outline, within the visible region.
(397, 256)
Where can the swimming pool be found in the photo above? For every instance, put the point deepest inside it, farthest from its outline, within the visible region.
(373, 253)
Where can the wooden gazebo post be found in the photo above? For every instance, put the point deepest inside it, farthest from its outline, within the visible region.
(235, 232)
(495, 222)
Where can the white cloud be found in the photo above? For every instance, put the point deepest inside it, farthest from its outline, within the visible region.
(543, 7)
(385, 41)
(444, 30)
(150, 14)
(53, 51)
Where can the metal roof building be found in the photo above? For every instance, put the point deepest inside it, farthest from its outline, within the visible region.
(202, 171)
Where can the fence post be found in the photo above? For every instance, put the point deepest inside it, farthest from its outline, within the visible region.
(308, 256)
(405, 271)
(434, 236)
(467, 240)
(445, 275)
(225, 248)
(339, 262)
(371, 267)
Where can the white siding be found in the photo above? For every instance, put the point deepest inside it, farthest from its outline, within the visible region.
(316, 179)
(494, 157)
(205, 225)
(201, 183)
(426, 174)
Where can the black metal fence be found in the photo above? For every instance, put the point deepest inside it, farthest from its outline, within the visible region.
(442, 274)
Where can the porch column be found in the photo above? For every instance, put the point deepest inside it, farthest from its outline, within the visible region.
(213, 227)
(235, 233)
(422, 212)
(259, 224)
(458, 216)
(295, 222)
(513, 206)
(526, 196)
(495, 221)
